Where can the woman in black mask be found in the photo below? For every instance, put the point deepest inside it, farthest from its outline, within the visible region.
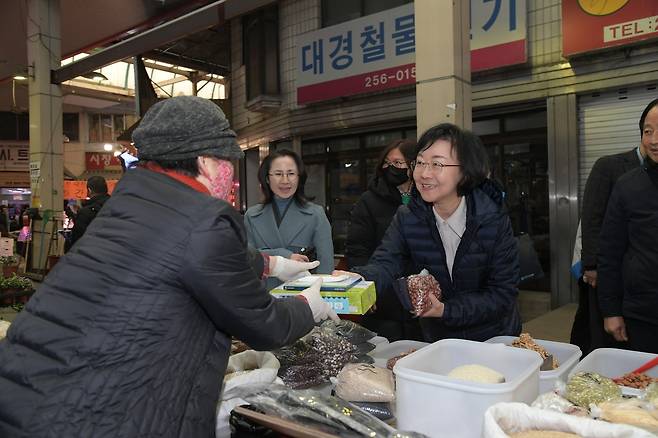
(371, 216)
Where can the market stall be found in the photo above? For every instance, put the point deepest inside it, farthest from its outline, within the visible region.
(343, 380)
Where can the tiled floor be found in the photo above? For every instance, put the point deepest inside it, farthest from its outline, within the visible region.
(542, 322)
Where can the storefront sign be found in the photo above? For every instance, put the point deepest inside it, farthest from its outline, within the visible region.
(589, 25)
(498, 33)
(102, 161)
(78, 189)
(378, 52)
(15, 179)
(14, 156)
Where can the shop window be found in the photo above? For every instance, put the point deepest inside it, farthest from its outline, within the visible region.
(339, 11)
(285, 144)
(381, 140)
(8, 126)
(314, 148)
(106, 127)
(343, 144)
(71, 126)
(23, 126)
(518, 153)
(119, 124)
(339, 171)
(260, 32)
(520, 122)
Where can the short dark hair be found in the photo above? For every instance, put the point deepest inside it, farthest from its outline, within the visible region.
(643, 117)
(469, 150)
(186, 166)
(97, 185)
(407, 148)
(264, 170)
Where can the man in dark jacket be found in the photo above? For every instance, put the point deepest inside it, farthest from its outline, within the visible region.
(628, 249)
(129, 335)
(587, 331)
(97, 194)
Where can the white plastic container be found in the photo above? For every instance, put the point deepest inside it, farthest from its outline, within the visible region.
(430, 402)
(567, 356)
(383, 352)
(614, 362)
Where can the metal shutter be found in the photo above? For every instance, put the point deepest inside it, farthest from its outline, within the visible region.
(608, 124)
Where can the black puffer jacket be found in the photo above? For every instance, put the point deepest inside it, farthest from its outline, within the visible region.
(129, 334)
(371, 216)
(88, 212)
(480, 298)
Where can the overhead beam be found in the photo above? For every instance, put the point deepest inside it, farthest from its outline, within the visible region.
(193, 22)
(199, 78)
(184, 61)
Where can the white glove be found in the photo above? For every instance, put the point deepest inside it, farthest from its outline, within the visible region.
(320, 308)
(285, 269)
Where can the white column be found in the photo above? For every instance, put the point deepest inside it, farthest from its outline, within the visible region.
(45, 100)
(443, 63)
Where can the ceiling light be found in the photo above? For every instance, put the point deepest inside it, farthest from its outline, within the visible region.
(108, 147)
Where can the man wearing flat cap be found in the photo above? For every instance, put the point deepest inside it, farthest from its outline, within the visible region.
(129, 335)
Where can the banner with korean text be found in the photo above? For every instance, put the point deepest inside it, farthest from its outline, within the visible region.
(589, 25)
(378, 51)
(78, 189)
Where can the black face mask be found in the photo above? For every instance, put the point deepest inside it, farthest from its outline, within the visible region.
(395, 176)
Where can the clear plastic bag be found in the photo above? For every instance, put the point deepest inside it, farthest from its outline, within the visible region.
(634, 412)
(586, 388)
(420, 287)
(349, 331)
(326, 413)
(315, 358)
(365, 383)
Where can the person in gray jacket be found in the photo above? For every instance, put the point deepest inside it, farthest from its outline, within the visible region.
(130, 333)
(286, 223)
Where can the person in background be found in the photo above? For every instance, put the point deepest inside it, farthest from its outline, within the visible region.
(587, 328)
(130, 333)
(457, 229)
(370, 218)
(98, 196)
(286, 223)
(628, 248)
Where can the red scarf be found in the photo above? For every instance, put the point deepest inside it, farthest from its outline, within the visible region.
(185, 179)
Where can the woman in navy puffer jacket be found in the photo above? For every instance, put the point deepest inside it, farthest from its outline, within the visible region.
(455, 227)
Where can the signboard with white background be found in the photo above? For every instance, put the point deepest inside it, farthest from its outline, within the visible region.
(378, 52)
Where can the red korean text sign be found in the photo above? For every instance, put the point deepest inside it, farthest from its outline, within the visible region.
(101, 161)
(590, 25)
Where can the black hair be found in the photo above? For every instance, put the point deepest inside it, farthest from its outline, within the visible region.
(469, 150)
(264, 170)
(643, 117)
(186, 166)
(97, 185)
(407, 148)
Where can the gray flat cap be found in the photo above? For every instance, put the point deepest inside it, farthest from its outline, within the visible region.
(185, 127)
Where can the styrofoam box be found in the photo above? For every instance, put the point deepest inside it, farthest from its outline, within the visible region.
(567, 356)
(614, 362)
(383, 352)
(430, 402)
